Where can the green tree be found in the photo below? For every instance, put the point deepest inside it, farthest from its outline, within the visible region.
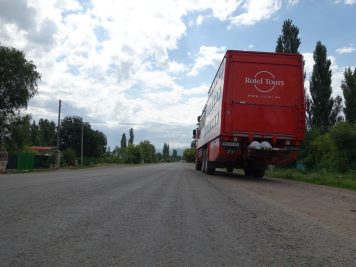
(147, 152)
(71, 134)
(288, 41)
(323, 150)
(174, 154)
(94, 142)
(132, 154)
(159, 157)
(348, 87)
(334, 150)
(344, 138)
(69, 156)
(335, 115)
(189, 154)
(165, 152)
(47, 132)
(325, 110)
(116, 151)
(123, 141)
(131, 139)
(34, 134)
(19, 138)
(18, 83)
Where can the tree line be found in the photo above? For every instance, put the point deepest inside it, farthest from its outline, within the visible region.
(330, 141)
(144, 152)
(19, 80)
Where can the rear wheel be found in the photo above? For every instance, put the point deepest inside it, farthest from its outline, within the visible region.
(204, 161)
(259, 173)
(248, 171)
(208, 167)
(257, 170)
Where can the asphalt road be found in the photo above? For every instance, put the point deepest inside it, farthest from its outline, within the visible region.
(157, 215)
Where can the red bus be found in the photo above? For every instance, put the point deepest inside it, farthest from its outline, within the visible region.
(254, 115)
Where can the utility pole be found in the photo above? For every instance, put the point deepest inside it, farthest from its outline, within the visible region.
(58, 133)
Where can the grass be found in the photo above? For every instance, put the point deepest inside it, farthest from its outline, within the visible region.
(323, 177)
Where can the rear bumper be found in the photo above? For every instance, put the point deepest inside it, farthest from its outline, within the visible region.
(273, 156)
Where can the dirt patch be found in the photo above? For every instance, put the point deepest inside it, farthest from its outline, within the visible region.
(333, 208)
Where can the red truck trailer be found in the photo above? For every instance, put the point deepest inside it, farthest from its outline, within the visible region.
(254, 115)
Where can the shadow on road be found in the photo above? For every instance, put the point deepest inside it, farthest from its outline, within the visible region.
(236, 176)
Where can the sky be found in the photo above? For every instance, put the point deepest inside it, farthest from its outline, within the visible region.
(148, 65)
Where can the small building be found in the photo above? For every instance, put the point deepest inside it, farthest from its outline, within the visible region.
(45, 150)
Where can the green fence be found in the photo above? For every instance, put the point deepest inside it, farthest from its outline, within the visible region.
(25, 161)
(28, 161)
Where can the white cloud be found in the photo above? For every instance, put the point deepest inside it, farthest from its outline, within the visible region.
(201, 90)
(347, 2)
(350, 2)
(308, 67)
(111, 59)
(256, 11)
(293, 2)
(308, 64)
(199, 20)
(175, 67)
(207, 56)
(346, 49)
(219, 9)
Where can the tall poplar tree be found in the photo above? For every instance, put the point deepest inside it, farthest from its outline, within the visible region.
(123, 141)
(131, 139)
(325, 109)
(165, 152)
(348, 87)
(288, 41)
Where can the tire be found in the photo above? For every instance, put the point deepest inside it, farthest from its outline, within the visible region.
(207, 166)
(248, 172)
(259, 173)
(209, 169)
(255, 169)
(204, 161)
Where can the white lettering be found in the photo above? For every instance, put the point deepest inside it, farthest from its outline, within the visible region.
(249, 80)
(274, 82)
(261, 81)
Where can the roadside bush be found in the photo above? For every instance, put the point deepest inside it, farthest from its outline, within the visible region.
(69, 157)
(335, 150)
(189, 154)
(306, 153)
(132, 154)
(323, 151)
(344, 138)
